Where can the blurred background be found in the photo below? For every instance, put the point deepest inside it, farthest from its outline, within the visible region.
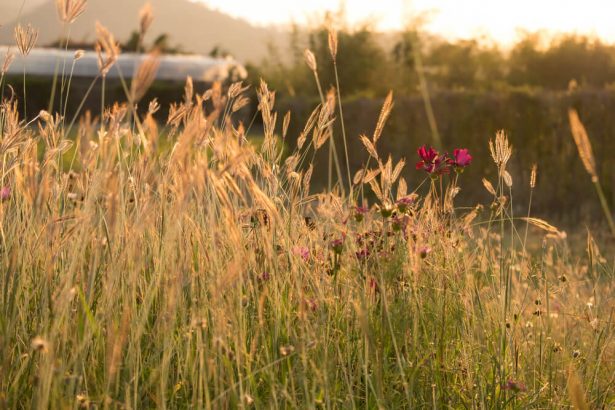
(478, 66)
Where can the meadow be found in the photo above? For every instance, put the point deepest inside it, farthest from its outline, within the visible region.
(203, 271)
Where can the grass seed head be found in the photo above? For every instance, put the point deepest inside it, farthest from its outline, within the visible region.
(25, 37)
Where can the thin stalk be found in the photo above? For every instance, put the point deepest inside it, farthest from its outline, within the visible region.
(70, 78)
(63, 82)
(527, 223)
(54, 83)
(76, 115)
(339, 102)
(25, 111)
(431, 118)
(102, 104)
(332, 149)
(605, 205)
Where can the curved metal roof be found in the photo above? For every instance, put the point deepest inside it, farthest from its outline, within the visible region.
(45, 62)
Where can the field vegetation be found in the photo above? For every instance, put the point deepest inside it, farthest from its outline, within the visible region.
(178, 264)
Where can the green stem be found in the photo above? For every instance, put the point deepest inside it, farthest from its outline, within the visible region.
(339, 102)
(605, 205)
(332, 149)
(431, 118)
(25, 113)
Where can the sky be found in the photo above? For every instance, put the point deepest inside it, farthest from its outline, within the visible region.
(500, 20)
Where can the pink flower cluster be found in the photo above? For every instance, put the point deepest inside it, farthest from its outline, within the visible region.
(436, 164)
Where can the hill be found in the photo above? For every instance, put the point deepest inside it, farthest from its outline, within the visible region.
(193, 26)
(9, 9)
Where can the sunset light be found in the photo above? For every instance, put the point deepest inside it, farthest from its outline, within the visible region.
(499, 19)
(318, 204)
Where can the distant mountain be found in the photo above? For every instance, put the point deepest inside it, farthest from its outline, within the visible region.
(9, 9)
(190, 25)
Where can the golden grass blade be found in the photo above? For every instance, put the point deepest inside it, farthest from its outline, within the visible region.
(581, 139)
(145, 76)
(387, 107)
(369, 146)
(575, 391)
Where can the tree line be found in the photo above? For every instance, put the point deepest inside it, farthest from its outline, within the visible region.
(371, 63)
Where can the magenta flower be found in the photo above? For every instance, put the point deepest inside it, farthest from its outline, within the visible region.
(514, 386)
(337, 245)
(363, 254)
(404, 203)
(461, 159)
(427, 155)
(5, 193)
(400, 223)
(302, 251)
(360, 212)
(432, 162)
(424, 251)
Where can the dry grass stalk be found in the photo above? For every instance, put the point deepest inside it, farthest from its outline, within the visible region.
(332, 37)
(25, 37)
(107, 49)
(8, 60)
(146, 18)
(69, 10)
(387, 107)
(545, 226)
(533, 176)
(584, 146)
(489, 187)
(371, 150)
(575, 391)
(310, 59)
(145, 76)
(501, 150)
(586, 153)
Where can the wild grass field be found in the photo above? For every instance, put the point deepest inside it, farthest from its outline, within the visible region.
(209, 275)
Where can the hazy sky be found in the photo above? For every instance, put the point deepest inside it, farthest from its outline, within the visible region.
(500, 19)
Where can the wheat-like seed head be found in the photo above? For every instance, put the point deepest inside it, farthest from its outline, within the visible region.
(69, 10)
(533, 176)
(146, 17)
(333, 44)
(107, 49)
(8, 60)
(501, 150)
(584, 146)
(145, 76)
(25, 37)
(575, 391)
(310, 59)
(387, 107)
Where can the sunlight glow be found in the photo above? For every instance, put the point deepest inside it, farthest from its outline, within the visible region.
(500, 20)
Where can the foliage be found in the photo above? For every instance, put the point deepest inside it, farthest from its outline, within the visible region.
(370, 68)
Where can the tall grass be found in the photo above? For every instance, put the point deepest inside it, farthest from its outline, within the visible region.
(210, 276)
